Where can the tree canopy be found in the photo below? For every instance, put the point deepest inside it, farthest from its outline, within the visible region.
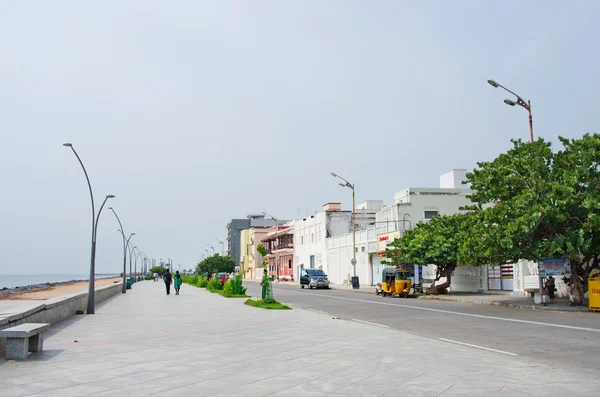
(157, 269)
(535, 203)
(438, 242)
(216, 264)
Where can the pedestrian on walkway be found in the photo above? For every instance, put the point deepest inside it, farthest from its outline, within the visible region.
(168, 279)
(177, 283)
(155, 277)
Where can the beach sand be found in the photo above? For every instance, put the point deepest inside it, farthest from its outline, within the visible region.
(58, 290)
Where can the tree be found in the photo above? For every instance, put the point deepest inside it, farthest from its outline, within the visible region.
(157, 269)
(216, 264)
(535, 204)
(437, 242)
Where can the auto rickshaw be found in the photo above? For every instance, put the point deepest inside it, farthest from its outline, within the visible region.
(395, 282)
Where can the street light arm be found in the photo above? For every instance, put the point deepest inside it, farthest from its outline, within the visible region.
(337, 176)
(98, 216)
(87, 178)
(520, 101)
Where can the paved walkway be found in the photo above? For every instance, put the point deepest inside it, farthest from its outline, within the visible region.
(200, 344)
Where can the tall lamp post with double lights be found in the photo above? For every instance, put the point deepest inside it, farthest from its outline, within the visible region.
(520, 101)
(276, 244)
(91, 307)
(355, 281)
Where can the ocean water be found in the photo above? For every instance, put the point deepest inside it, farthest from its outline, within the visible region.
(21, 280)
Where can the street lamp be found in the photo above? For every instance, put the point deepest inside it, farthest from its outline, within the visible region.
(223, 244)
(124, 289)
(276, 244)
(353, 261)
(520, 101)
(95, 218)
(211, 247)
(127, 245)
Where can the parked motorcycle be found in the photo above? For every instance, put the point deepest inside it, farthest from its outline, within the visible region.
(378, 289)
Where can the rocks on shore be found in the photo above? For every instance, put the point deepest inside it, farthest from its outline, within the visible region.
(36, 287)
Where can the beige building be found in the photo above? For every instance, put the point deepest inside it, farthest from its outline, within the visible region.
(250, 260)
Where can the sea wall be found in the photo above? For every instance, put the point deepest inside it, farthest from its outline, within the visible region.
(55, 310)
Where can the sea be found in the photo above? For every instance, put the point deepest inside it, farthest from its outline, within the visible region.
(22, 280)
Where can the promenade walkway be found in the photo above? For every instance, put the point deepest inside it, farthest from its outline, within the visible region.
(200, 344)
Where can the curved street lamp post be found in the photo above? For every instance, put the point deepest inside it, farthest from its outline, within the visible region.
(520, 101)
(353, 261)
(124, 289)
(223, 244)
(95, 218)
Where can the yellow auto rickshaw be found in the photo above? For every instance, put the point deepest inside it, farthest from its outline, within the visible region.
(395, 282)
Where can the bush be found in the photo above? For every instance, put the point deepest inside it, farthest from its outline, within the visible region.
(149, 277)
(270, 304)
(214, 285)
(228, 288)
(194, 280)
(236, 285)
(201, 282)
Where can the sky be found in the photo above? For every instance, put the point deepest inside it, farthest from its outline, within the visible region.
(194, 112)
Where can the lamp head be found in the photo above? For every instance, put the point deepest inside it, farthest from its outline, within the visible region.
(493, 83)
(110, 208)
(342, 185)
(509, 102)
(67, 144)
(333, 174)
(110, 196)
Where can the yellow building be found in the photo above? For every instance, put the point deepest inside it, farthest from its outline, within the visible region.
(245, 253)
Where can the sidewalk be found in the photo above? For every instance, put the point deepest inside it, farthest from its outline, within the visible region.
(201, 344)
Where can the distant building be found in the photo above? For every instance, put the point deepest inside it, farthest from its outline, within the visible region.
(235, 227)
(251, 260)
(279, 243)
(310, 233)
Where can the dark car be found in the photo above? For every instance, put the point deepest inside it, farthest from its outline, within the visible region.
(314, 278)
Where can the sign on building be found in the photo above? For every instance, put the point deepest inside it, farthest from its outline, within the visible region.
(385, 240)
(555, 267)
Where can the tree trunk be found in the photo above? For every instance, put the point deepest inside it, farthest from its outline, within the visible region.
(441, 289)
(576, 284)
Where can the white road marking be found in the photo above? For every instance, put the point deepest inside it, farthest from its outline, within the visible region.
(370, 323)
(478, 347)
(452, 312)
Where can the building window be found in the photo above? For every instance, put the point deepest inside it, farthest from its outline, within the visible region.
(356, 249)
(430, 214)
(289, 263)
(362, 249)
(312, 261)
(301, 240)
(312, 237)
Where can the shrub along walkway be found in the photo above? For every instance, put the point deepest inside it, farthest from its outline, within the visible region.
(201, 344)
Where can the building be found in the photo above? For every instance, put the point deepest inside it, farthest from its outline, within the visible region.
(411, 205)
(311, 233)
(279, 243)
(235, 227)
(251, 267)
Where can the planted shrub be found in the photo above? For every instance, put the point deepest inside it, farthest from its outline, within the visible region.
(194, 280)
(214, 285)
(201, 282)
(149, 277)
(236, 285)
(228, 288)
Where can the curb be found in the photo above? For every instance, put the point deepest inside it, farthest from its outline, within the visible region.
(572, 309)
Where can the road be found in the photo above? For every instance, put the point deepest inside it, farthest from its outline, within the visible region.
(560, 338)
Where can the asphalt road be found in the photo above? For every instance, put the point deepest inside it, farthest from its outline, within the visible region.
(560, 338)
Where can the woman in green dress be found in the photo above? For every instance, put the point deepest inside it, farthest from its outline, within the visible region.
(177, 282)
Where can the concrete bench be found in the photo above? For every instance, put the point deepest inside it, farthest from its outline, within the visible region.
(23, 338)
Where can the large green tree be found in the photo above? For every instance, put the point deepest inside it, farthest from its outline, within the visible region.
(534, 203)
(216, 263)
(437, 242)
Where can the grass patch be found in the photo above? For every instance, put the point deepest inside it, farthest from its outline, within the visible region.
(271, 304)
(222, 293)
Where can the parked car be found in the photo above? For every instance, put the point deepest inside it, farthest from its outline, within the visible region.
(223, 277)
(314, 278)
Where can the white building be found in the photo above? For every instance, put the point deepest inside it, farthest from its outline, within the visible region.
(411, 205)
(311, 232)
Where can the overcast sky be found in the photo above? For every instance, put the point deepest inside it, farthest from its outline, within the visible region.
(193, 113)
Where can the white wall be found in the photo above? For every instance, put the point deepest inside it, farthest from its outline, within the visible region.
(309, 239)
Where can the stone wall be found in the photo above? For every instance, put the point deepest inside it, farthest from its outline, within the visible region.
(55, 310)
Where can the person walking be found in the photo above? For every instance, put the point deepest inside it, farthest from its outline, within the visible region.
(177, 283)
(168, 279)
(155, 277)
